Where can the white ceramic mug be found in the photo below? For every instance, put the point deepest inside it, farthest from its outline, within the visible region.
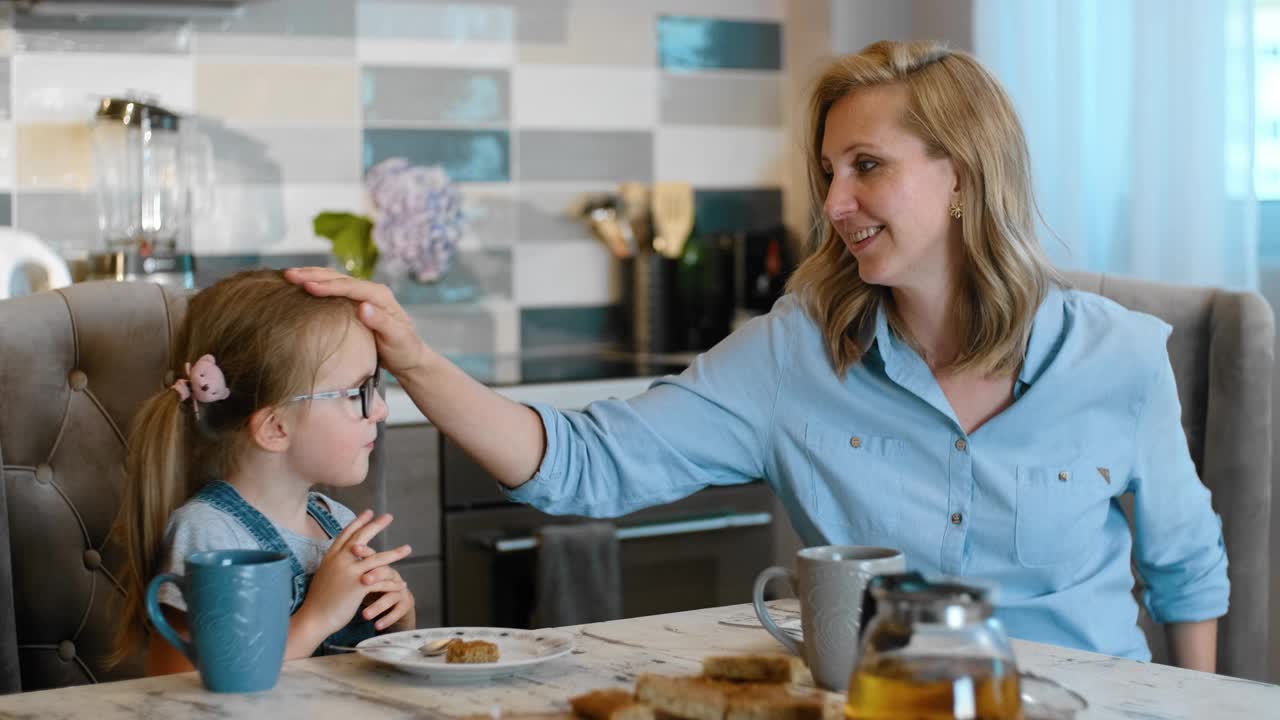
(830, 581)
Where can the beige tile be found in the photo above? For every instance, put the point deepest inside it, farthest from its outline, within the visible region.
(54, 156)
(279, 93)
(599, 34)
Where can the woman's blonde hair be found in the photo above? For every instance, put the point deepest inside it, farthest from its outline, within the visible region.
(959, 111)
(269, 338)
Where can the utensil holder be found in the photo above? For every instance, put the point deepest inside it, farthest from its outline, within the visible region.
(648, 283)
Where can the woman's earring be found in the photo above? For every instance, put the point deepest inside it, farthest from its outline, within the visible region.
(955, 210)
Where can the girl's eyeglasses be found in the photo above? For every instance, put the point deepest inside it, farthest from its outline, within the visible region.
(367, 390)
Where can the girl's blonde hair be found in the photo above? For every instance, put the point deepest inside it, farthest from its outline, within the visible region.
(960, 112)
(269, 337)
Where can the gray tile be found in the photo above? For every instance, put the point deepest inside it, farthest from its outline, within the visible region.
(275, 155)
(286, 17)
(544, 22)
(456, 329)
(436, 20)
(264, 45)
(467, 155)
(492, 220)
(580, 155)
(96, 33)
(421, 97)
(212, 268)
(543, 216)
(697, 42)
(67, 221)
(580, 328)
(6, 208)
(721, 99)
(473, 276)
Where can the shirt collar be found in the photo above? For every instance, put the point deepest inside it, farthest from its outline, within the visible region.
(1046, 329)
(1046, 335)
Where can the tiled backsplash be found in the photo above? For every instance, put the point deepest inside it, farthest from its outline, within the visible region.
(528, 102)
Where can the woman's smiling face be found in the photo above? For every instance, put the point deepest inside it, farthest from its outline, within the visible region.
(888, 198)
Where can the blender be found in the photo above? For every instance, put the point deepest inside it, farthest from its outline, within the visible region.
(151, 170)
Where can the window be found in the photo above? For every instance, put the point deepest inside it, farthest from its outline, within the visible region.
(1266, 29)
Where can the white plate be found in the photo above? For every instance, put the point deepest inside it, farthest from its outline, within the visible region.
(517, 650)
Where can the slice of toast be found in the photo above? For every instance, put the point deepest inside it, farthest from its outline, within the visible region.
(610, 705)
(700, 698)
(752, 668)
(475, 651)
(690, 698)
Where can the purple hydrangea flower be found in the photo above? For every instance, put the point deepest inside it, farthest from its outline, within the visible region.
(420, 216)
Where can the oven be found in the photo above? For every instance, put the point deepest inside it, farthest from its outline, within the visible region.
(703, 551)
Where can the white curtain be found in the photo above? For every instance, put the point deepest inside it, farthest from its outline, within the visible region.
(1139, 116)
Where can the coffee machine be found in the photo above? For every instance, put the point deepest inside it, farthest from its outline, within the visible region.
(152, 170)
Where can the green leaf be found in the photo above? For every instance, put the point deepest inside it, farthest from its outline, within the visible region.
(352, 238)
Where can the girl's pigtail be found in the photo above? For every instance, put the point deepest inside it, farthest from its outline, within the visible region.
(158, 481)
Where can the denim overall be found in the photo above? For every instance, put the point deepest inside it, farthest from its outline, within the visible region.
(222, 496)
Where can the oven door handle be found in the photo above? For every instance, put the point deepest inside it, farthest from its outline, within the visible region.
(663, 529)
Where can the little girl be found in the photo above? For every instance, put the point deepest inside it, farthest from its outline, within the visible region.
(275, 391)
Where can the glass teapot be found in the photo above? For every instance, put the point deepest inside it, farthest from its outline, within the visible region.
(933, 651)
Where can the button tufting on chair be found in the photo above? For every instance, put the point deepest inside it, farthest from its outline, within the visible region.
(44, 473)
(66, 651)
(92, 559)
(77, 379)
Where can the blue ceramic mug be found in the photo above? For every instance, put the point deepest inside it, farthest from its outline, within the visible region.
(238, 613)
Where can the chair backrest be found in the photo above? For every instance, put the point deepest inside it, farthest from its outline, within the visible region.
(75, 365)
(1221, 349)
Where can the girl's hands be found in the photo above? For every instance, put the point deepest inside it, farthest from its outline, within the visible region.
(398, 605)
(337, 590)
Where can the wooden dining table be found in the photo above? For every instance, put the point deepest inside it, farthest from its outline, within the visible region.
(611, 655)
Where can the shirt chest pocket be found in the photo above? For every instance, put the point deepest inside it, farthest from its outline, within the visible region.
(854, 490)
(1061, 511)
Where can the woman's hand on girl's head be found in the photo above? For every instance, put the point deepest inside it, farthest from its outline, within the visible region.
(336, 590)
(400, 350)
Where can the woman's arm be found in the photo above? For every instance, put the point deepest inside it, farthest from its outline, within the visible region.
(505, 437)
(1194, 645)
(1178, 537)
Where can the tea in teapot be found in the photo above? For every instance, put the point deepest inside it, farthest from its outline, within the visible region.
(932, 651)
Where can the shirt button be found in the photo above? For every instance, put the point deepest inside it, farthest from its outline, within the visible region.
(961, 444)
(1064, 476)
(855, 441)
(956, 518)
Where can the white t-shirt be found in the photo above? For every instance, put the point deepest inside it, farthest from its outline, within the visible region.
(199, 526)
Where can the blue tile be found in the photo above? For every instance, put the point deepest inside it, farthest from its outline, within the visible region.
(737, 210)
(580, 328)
(700, 43)
(467, 155)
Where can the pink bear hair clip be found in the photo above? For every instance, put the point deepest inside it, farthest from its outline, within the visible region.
(204, 383)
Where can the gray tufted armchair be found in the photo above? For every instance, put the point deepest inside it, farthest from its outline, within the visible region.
(75, 364)
(1221, 350)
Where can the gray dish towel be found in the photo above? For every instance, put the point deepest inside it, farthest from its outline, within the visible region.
(579, 574)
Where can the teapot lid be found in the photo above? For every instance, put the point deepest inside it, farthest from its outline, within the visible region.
(131, 109)
(913, 597)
